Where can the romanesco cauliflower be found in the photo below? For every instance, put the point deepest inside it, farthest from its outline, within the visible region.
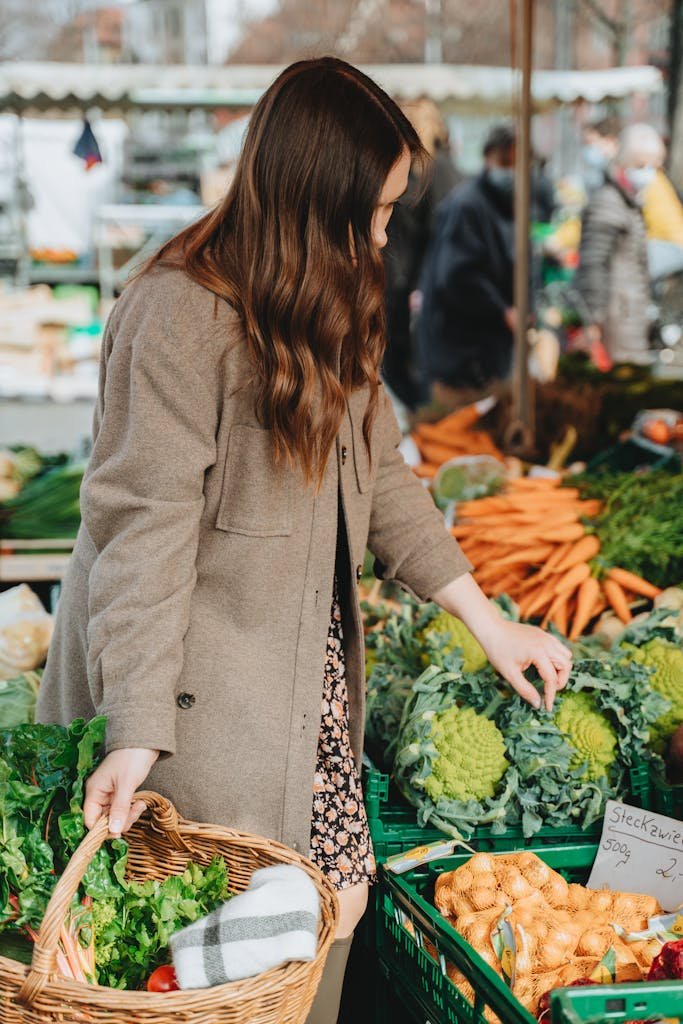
(471, 759)
(666, 661)
(588, 731)
(444, 625)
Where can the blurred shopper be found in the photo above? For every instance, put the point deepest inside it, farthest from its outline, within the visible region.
(662, 207)
(600, 145)
(408, 236)
(612, 278)
(542, 190)
(468, 319)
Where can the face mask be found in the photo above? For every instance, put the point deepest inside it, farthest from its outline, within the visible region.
(502, 178)
(594, 157)
(640, 177)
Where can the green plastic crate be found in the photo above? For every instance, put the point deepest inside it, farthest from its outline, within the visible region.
(637, 1001)
(394, 828)
(666, 798)
(406, 918)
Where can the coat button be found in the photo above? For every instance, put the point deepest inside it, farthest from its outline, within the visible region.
(185, 700)
(295, 846)
(359, 572)
(344, 453)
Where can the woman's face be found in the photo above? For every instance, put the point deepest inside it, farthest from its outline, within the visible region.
(394, 187)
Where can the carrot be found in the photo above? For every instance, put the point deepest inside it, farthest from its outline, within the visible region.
(529, 556)
(554, 559)
(465, 529)
(629, 581)
(432, 451)
(586, 597)
(557, 613)
(482, 507)
(583, 550)
(536, 600)
(560, 494)
(460, 420)
(558, 534)
(590, 508)
(568, 582)
(426, 470)
(505, 583)
(534, 483)
(617, 599)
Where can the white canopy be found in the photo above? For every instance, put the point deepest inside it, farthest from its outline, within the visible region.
(51, 86)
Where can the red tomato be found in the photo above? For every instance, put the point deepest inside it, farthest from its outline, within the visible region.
(163, 980)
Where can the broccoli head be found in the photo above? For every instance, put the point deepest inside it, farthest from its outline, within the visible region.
(665, 660)
(451, 634)
(588, 731)
(471, 759)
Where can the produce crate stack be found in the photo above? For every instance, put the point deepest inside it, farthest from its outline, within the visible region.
(442, 978)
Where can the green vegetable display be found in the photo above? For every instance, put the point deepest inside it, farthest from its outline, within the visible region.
(42, 774)
(43, 769)
(562, 766)
(641, 526)
(18, 699)
(47, 507)
(406, 641)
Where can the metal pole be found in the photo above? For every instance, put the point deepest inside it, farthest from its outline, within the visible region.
(522, 431)
(433, 42)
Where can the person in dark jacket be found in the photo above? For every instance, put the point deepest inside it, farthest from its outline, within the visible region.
(409, 234)
(468, 317)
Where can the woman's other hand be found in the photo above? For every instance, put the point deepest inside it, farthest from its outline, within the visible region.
(111, 787)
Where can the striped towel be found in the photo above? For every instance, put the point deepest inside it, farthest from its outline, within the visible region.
(274, 920)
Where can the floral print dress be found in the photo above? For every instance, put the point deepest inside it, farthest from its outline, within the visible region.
(340, 838)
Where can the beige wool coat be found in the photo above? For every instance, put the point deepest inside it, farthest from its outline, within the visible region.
(195, 610)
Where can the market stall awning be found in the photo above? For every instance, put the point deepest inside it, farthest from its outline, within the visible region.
(51, 86)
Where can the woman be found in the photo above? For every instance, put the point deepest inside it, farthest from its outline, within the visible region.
(613, 278)
(244, 457)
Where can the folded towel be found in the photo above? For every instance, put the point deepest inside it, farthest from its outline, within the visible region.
(274, 920)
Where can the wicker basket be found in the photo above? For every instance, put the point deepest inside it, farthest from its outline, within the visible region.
(161, 844)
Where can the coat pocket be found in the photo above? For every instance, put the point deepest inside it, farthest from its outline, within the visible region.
(257, 493)
(366, 468)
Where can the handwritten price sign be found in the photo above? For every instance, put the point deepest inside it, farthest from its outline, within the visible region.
(640, 852)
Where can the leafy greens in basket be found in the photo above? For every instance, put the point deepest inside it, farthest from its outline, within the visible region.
(117, 931)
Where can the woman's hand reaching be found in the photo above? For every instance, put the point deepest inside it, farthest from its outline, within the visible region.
(111, 787)
(511, 647)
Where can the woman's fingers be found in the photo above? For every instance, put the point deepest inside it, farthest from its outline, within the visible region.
(111, 788)
(524, 688)
(550, 677)
(121, 806)
(137, 808)
(98, 793)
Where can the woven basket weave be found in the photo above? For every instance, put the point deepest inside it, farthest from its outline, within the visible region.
(161, 844)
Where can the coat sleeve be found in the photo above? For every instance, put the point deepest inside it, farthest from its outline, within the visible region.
(407, 532)
(142, 499)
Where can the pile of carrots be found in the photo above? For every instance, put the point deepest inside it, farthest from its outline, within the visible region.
(450, 437)
(532, 542)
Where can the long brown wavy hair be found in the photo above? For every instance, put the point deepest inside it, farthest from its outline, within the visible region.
(290, 248)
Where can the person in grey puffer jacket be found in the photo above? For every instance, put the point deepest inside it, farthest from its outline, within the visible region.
(612, 278)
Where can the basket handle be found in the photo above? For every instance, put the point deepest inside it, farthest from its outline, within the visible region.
(164, 818)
